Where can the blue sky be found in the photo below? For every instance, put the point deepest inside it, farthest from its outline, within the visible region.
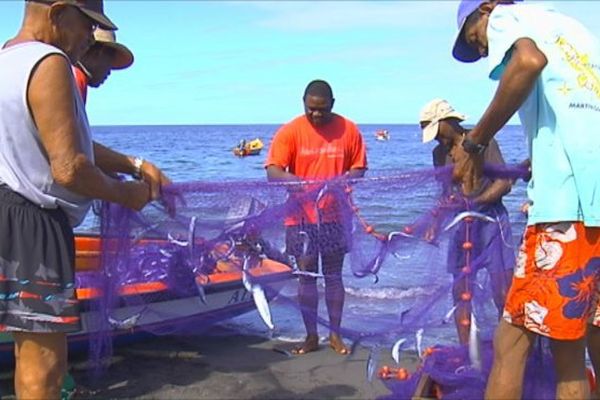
(220, 62)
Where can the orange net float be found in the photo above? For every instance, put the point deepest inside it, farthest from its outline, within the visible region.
(428, 351)
(386, 372)
(466, 296)
(467, 245)
(402, 374)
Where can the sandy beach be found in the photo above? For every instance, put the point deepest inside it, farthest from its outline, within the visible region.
(223, 365)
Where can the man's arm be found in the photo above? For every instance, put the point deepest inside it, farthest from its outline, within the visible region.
(355, 173)
(111, 162)
(525, 66)
(494, 192)
(50, 98)
(277, 174)
(499, 187)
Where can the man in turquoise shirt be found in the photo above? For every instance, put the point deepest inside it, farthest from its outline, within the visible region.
(548, 67)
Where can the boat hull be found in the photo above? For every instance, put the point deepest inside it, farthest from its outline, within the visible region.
(163, 312)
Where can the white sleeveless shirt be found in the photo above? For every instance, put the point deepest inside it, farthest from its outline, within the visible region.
(24, 164)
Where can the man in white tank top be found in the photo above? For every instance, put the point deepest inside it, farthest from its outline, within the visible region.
(50, 170)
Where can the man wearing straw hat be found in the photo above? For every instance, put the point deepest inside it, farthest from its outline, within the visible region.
(493, 250)
(50, 170)
(97, 63)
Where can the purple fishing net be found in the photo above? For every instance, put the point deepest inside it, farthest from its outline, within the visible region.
(209, 249)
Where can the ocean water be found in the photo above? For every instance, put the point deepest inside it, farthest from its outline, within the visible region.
(204, 153)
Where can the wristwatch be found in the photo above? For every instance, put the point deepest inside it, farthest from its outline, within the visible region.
(473, 148)
(137, 167)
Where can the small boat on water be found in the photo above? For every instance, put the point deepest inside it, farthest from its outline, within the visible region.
(251, 148)
(224, 295)
(382, 135)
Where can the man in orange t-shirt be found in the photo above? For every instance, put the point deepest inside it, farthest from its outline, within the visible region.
(318, 145)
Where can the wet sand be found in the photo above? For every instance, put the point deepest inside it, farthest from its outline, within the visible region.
(226, 366)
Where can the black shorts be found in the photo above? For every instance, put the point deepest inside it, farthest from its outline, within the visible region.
(309, 240)
(37, 258)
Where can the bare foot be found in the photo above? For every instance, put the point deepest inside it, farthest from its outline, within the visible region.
(311, 343)
(337, 344)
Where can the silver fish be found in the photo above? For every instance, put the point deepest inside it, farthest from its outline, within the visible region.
(391, 235)
(307, 273)
(192, 236)
(399, 257)
(230, 249)
(449, 315)
(258, 295)
(165, 253)
(474, 355)
(466, 214)
(396, 350)
(245, 274)
(126, 323)
(176, 242)
(262, 305)
(372, 362)
(321, 194)
(377, 263)
(305, 242)
(419, 342)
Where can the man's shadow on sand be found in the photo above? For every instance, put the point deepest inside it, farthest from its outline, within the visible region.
(180, 366)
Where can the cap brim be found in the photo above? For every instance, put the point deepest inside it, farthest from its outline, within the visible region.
(454, 114)
(430, 131)
(462, 51)
(123, 57)
(101, 19)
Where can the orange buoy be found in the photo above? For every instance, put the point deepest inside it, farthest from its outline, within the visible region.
(465, 296)
(465, 322)
(408, 229)
(369, 229)
(466, 269)
(467, 245)
(402, 374)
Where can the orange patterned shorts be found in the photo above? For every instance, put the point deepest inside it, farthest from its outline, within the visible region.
(555, 282)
